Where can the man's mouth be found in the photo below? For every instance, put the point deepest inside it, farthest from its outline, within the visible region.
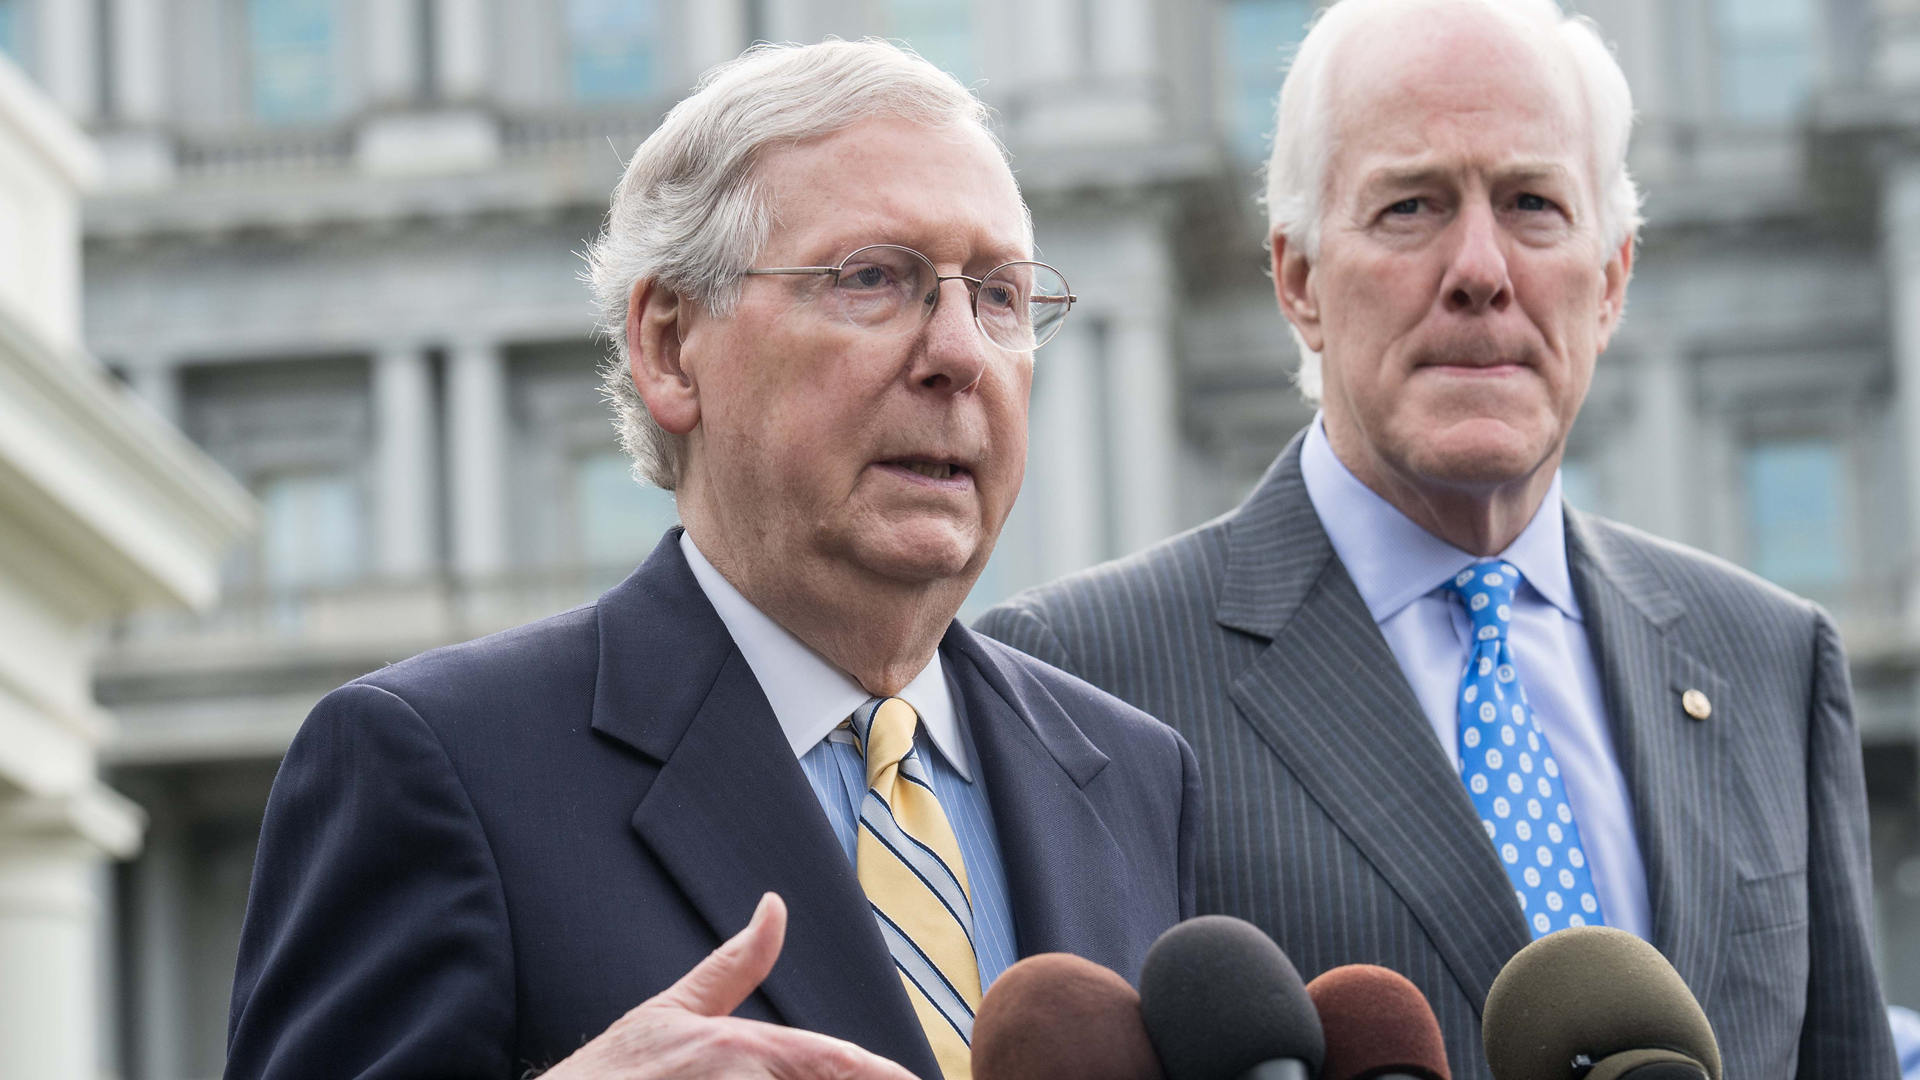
(932, 470)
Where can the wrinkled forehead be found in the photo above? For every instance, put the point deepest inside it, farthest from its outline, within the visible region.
(944, 189)
(1456, 83)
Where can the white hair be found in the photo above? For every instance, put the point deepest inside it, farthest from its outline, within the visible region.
(688, 213)
(1298, 173)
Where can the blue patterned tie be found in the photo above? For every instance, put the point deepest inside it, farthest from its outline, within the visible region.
(1509, 769)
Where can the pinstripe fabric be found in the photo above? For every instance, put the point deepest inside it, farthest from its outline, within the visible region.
(1248, 637)
(839, 778)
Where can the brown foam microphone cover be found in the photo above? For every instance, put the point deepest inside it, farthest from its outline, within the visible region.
(1377, 1022)
(1590, 990)
(1061, 1017)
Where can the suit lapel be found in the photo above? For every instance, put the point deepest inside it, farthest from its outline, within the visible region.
(1064, 870)
(1329, 698)
(730, 815)
(1674, 765)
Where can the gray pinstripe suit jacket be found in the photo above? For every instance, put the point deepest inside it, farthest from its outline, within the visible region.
(1336, 823)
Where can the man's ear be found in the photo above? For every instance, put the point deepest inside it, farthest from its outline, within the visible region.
(656, 326)
(1613, 295)
(1293, 286)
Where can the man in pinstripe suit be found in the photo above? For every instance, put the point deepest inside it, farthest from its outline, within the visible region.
(1403, 644)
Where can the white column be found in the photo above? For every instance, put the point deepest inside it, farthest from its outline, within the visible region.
(159, 897)
(139, 62)
(477, 432)
(1659, 446)
(66, 56)
(716, 32)
(48, 1007)
(1901, 228)
(404, 433)
(157, 383)
(393, 51)
(460, 48)
(1145, 426)
(1067, 463)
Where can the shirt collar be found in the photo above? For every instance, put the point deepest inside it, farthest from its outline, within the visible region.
(810, 696)
(1394, 562)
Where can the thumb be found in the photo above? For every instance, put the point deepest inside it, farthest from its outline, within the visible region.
(717, 985)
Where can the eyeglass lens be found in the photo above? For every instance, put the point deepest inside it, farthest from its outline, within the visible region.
(893, 290)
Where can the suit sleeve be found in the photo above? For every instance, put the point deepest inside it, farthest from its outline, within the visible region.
(1845, 1033)
(375, 942)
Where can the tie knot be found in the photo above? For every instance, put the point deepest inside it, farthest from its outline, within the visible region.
(1487, 590)
(885, 728)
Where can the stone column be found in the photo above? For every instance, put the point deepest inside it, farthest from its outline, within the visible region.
(139, 62)
(477, 430)
(50, 853)
(157, 383)
(1659, 449)
(65, 57)
(392, 47)
(1901, 230)
(1068, 470)
(460, 49)
(403, 435)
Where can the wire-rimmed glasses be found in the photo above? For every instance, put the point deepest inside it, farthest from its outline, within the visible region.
(889, 289)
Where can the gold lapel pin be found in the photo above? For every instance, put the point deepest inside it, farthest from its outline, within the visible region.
(1696, 704)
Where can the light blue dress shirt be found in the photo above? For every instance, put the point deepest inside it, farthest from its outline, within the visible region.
(1400, 568)
(810, 698)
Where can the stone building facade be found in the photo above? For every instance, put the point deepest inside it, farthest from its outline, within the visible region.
(338, 247)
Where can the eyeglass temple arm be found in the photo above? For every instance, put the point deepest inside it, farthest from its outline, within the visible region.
(794, 270)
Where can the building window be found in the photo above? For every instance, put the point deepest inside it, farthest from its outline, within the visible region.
(311, 532)
(1579, 485)
(1260, 39)
(1796, 507)
(612, 48)
(1766, 57)
(619, 519)
(290, 48)
(940, 30)
(10, 34)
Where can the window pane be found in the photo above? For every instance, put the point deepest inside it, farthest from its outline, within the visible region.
(940, 30)
(1766, 57)
(1579, 486)
(1795, 494)
(620, 519)
(10, 29)
(312, 531)
(290, 43)
(612, 48)
(1261, 35)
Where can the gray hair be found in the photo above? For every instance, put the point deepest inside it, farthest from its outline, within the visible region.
(1298, 171)
(688, 213)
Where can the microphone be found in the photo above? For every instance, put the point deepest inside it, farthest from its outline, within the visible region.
(1222, 1002)
(1595, 1003)
(1059, 1017)
(1378, 1026)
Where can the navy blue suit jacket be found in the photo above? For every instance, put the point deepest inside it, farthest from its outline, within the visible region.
(476, 860)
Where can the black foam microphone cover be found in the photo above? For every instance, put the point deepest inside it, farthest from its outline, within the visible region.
(1058, 1017)
(1595, 1003)
(1219, 998)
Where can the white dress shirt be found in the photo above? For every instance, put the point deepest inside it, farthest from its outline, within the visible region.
(1400, 569)
(810, 696)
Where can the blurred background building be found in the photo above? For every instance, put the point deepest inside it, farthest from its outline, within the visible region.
(336, 243)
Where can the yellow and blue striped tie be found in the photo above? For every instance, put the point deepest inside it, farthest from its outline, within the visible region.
(909, 864)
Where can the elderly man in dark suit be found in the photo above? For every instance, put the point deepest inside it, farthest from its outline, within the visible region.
(1438, 712)
(480, 861)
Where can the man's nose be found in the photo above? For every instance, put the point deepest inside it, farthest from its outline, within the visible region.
(956, 352)
(1477, 279)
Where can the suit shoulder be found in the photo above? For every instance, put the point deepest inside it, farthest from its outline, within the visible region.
(557, 656)
(1182, 570)
(1101, 715)
(1707, 585)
